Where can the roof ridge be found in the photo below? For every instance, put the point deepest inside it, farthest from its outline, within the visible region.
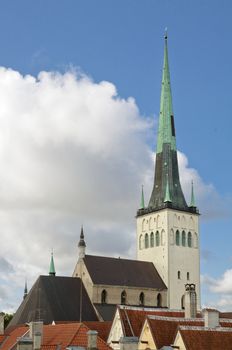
(199, 328)
(166, 318)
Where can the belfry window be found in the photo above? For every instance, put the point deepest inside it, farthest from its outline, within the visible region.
(141, 299)
(152, 240)
(177, 237)
(182, 303)
(188, 276)
(178, 275)
(104, 296)
(159, 300)
(140, 242)
(123, 297)
(157, 239)
(146, 241)
(183, 238)
(189, 239)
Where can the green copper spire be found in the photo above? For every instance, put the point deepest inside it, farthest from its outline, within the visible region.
(142, 206)
(166, 133)
(192, 201)
(52, 271)
(167, 193)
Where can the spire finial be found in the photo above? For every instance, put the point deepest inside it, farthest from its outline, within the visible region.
(25, 289)
(52, 271)
(142, 205)
(192, 201)
(167, 197)
(166, 33)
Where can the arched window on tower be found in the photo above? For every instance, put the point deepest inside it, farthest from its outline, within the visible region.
(141, 299)
(157, 239)
(146, 241)
(183, 238)
(177, 237)
(104, 296)
(152, 240)
(188, 276)
(123, 297)
(189, 239)
(141, 242)
(182, 303)
(178, 275)
(159, 300)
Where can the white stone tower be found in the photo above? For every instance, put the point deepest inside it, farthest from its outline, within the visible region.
(168, 229)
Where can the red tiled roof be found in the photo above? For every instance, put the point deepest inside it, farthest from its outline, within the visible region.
(80, 339)
(210, 339)
(103, 328)
(133, 318)
(65, 335)
(12, 338)
(164, 330)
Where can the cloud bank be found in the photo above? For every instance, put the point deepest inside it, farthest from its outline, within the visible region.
(72, 152)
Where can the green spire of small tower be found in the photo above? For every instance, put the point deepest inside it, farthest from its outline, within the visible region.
(142, 205)
(52, 271)
(192, 201)
(25, 290)
(167, 197)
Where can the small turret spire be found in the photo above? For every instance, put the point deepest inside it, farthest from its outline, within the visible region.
(81, 244)
(192, 201)
(52, 271)
(167, 197)
(25, 290)
(142, 205)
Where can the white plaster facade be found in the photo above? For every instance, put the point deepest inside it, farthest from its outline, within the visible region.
(176, 264)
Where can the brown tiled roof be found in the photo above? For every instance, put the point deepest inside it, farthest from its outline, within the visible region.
(210, 339)
(123, 272)
(103, 328)
(225, 315)
(164, 329)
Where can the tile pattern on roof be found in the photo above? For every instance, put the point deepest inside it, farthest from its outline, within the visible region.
(210, 339)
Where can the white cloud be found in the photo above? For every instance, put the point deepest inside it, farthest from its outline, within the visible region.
(72, 152)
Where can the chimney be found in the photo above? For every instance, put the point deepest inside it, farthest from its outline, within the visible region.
(36, 334)
(190, 301)
(24, 344)
(2, 324)
(211, 318)
(128, 343)
(92, 340)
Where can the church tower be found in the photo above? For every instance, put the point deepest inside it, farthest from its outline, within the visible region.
(168, 229)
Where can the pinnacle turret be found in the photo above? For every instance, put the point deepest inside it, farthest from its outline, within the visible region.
(142, 205)
(192, 201)
(81, 244)
(52, 271)
(25, 290)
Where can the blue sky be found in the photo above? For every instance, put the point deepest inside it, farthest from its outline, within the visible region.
(122, 42)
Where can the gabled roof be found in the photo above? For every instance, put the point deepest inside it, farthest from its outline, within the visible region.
(164, 329)
(55, 299)
(106, 311)
(11, 339)
(123, 272)
(132, 318)
(196, 338)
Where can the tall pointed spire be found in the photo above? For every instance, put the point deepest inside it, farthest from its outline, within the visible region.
(25, 290)
(52, 271)
(81, 244)
(166, 154)
(142, 205)
(192, 201)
